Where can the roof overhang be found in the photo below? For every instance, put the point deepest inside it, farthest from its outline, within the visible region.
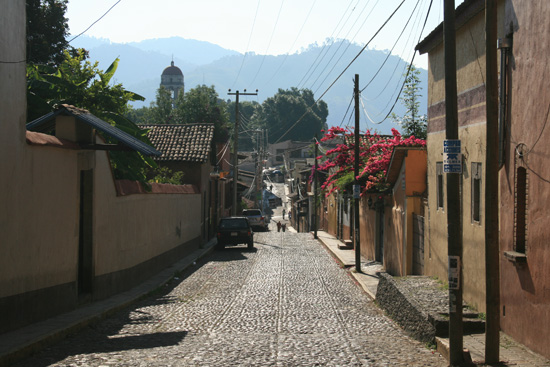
(463, 13)
(126, 141)
(397, 157)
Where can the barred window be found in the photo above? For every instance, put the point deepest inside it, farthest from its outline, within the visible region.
(521, 209)
(440, 187)
(476, 192)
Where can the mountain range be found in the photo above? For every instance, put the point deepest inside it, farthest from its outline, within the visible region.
(316, 67)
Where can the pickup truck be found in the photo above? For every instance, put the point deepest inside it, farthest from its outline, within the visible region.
(256, 218)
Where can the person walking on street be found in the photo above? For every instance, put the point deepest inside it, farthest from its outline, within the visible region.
(279, 226)
(284, 212)
(284, 227)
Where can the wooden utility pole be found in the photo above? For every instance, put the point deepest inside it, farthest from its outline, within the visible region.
(454, 215)
(236, 146)
(356, 196)
(492, 271)
(315, 184)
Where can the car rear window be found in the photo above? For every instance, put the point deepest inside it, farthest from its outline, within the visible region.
(233, 223)
(252, 212)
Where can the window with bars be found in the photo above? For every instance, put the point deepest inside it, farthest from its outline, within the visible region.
(476, 192)
(521, 210)
(440, 187)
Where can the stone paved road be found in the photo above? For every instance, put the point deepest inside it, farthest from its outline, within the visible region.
(287, 303)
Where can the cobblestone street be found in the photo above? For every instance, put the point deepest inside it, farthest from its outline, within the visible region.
(286, 303)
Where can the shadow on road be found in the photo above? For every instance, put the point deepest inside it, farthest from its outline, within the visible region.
(106, 344)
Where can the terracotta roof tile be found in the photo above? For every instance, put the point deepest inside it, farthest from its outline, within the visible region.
(184, 143)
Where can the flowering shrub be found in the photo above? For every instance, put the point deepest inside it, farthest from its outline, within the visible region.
(375, 153)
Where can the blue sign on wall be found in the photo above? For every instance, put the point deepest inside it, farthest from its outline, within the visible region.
(452, 156)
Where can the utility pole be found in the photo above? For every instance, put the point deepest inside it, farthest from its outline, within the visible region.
(492, 271)
(454, 216)
(356, 191)
(315, 184)
(259, 158)
(236, 146)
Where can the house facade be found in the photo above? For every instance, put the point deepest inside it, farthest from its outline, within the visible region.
(69, 233)
(189, 148)
(471, 76)
(525, 176)
(402, 252)
(523, 170)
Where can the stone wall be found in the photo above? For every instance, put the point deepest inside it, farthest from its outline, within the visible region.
(406, 312)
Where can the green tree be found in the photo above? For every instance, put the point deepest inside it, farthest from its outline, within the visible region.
(162, 111)
(81, 83)
(413, 123)
(249, 121)
(280, 114)
(47, 30)
(203, 105)
(140, 116)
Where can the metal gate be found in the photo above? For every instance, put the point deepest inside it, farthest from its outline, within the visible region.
(418, 244)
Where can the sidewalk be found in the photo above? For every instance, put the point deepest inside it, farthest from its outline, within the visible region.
(368, 278)
(511, 352)
(22, 342)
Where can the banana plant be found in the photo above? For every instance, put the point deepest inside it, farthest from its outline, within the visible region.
(79, 82)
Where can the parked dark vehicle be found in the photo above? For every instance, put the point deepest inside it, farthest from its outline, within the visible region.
(257, 219)
(234, 231)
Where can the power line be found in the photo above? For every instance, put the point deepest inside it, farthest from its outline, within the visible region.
(346, 68)
(101, 17)
(347, 110)
(340, 45)
(408, 69)
(269, 43)
(248, 44)
(325, 45)
(293, 43)
(390, 53)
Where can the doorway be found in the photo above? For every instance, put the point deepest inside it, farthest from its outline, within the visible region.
(85, 242)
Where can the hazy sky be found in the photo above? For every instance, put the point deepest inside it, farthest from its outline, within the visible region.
(262, 26)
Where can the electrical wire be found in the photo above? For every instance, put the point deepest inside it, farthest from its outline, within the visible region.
(543, 128)
(397, 64)
(247, 45)
(339, 46)
(75, 37)
(269, 43)
(222, 152)
(293, 43)
(349, 43)
(345, 69)
(408, 69)
(325, 45)
(393, 47)
(101, 17)
(347, 110)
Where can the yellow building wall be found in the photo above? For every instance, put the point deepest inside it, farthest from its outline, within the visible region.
(471, 78)
(129, 230)
(40, 197)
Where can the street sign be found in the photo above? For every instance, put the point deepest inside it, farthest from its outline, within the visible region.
(356, 191)
(452, 156)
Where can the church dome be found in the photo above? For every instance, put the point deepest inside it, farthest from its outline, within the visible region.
(172, 70)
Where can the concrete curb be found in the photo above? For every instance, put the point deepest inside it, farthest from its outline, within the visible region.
(25, 341)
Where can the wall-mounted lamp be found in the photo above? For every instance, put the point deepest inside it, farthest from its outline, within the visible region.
(369, 202)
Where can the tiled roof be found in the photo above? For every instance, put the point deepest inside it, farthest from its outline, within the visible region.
(182, 143)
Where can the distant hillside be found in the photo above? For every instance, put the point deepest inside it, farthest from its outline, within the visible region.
(141, 65)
